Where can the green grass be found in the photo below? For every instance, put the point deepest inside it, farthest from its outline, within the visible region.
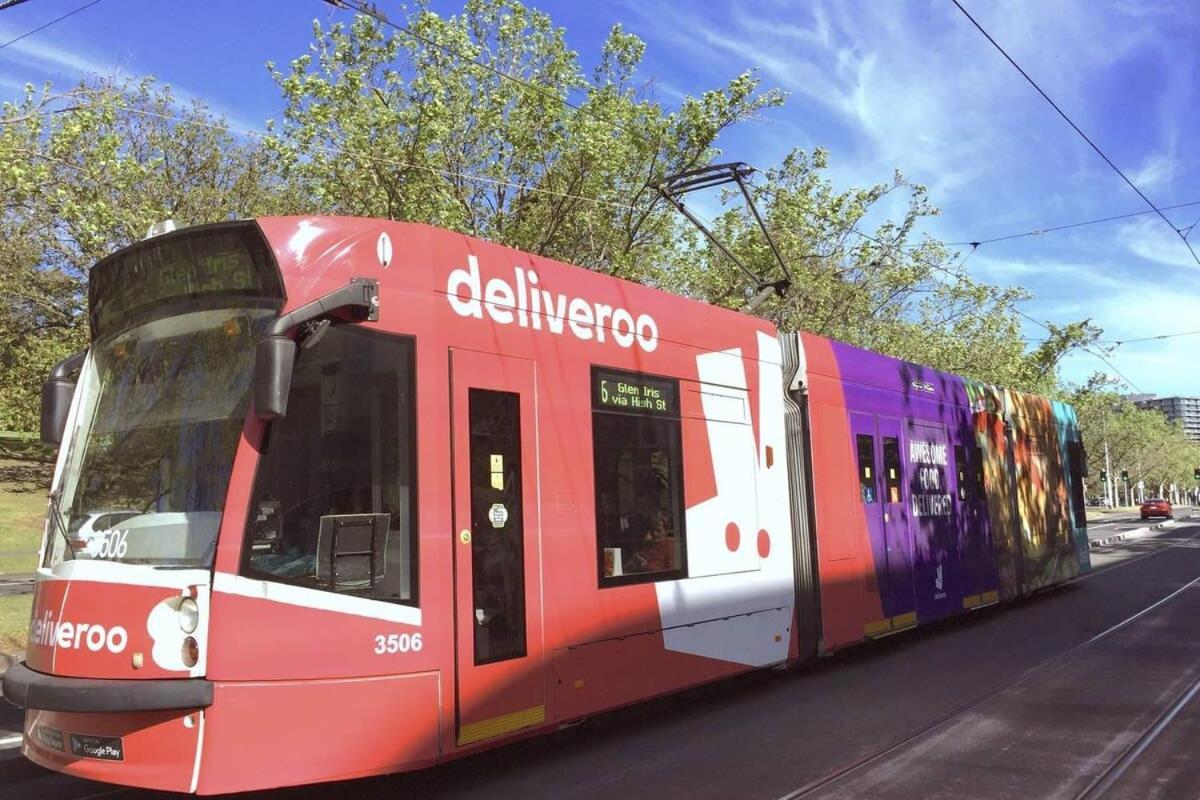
(25, 469)
(22, 512)
(14, 622)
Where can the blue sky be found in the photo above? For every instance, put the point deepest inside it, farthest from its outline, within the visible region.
(882, 85)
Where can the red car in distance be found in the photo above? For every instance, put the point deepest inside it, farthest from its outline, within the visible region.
(1156, 507)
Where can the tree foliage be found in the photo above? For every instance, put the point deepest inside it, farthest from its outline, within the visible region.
(1141, 442)
(485, 122)
(83, 173)
(428, 128)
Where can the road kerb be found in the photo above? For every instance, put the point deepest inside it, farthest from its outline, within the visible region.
(1116, 537)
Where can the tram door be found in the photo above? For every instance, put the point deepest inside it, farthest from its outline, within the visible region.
(500, 685)
(897, 533)
(882, 492)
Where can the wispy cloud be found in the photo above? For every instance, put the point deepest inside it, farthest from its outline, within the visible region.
(1150, 239)
(1156, 172)
(1165, 366)
(39, 59)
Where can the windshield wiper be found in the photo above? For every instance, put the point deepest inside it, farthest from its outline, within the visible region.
(58, 524)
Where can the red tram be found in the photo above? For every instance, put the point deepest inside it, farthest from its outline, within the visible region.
(411, 495)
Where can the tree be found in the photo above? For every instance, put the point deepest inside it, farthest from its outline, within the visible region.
(483, 123)
(877, 287)
(1140, 441)
(425, 128)
(82, 173)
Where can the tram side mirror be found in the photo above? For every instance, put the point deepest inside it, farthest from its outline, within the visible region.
(56, 402)
(275, 354)
(57, 392)
(274, 358)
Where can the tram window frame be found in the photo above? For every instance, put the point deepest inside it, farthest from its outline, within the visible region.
(668, 435)
(868, 481)
(399, 353)
(893, 470)
(961, 472)
(1077, 469)
(980, 472)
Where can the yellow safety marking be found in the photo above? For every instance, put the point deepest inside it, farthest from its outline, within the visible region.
(989, 597)
(498, 726)
(890, 625)
(877, 627)
(972, 601)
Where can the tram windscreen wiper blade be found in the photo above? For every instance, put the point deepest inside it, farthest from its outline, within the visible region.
(57, 522)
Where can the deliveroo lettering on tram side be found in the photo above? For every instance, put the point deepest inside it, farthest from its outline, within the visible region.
(929, 497)
(524, 303)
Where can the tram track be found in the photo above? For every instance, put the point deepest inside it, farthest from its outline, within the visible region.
(1111, 774)
(1105, 781)
(1186, 535)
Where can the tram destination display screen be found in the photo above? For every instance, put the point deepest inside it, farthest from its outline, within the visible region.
(228, 260)
(628, 391)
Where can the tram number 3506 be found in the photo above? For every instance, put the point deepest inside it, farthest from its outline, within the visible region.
(398, 643)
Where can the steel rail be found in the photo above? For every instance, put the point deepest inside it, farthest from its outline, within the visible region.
(1116, 770)
(857, 765)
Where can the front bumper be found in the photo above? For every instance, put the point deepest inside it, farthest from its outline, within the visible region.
(28, 689)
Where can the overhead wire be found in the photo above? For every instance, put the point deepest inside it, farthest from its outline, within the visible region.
(45, 25)
(969, 281)
(365, 9)
(1119, 342)
(959, 276)
(1079, 131)
(1055, 228)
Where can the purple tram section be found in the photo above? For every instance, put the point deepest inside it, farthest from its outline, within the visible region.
(973, 499)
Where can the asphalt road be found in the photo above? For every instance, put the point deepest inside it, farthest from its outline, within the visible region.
(1123, 523)
(1038, 699)
(16, 583)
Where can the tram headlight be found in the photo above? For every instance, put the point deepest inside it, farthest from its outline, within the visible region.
(191, 652)
(189, 615)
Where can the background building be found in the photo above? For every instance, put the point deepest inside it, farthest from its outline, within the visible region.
(1184, 410)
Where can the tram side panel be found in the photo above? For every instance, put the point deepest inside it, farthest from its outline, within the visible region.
(620, 637)
(902, 527)
(847, 577)
(1047, 519)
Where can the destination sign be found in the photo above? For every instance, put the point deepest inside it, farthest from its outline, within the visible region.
(624, 391)
(228, 260)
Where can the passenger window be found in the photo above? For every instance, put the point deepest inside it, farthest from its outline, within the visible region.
(891, 468)
(498, 525)
(637, 441)
(977, 468)
(1078, 468)
(866, 468)
(960, 466)
(333, 505)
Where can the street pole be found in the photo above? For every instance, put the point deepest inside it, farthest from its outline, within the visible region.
(1108, 477)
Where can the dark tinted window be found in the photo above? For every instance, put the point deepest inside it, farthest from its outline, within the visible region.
(636, 434)
(1077, 465)
(334, 498)
(866, 468)
(961, 470)
(891, 469)
(497, 524)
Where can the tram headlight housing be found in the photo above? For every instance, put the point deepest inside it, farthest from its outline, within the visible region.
(190, 652)
(189, 615)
